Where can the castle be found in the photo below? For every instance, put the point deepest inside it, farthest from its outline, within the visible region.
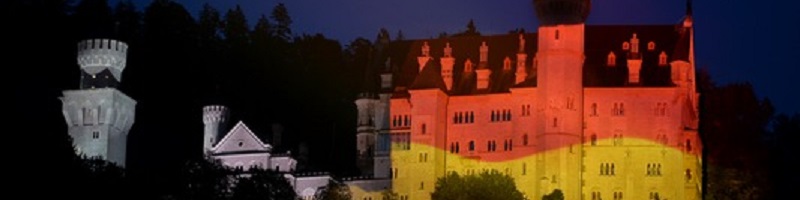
(597, 111)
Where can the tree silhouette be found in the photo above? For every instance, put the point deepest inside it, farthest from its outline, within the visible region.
(472, 30)
(209, 24)
(334, 191)
(282, 22)
(262, 184)
(733, 128)
(94, 19)
(235, 28)
(486, 185)
(555, 195)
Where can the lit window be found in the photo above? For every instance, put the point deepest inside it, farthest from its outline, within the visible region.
(651, 46)
(507, 63)
(626, 46)
(612, 59)
(662, 59)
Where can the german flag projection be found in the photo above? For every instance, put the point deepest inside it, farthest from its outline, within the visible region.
(598, 112)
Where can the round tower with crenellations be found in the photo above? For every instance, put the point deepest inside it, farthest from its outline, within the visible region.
(102, 62)
(215, 118)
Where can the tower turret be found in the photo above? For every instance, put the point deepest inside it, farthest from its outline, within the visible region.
(102, 62)
(560, 94)
(98, 115)
(215, 118)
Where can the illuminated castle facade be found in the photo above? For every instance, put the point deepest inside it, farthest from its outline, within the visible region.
(597, 111)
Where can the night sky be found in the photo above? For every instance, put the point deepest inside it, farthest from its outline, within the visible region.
(736, 41)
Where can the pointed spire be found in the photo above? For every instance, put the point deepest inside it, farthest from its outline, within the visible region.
(688, 7)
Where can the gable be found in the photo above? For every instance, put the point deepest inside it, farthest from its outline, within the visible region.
(240, 139)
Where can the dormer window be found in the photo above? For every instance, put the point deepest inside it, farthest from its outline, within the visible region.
(626, 46)
(612, 59)
(662, 59)
(651, 46)
(507, 63)
(468, 66)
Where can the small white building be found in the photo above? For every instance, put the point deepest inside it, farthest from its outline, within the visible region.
(241, 149)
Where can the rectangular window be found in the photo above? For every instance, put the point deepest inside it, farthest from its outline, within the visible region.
(95, 135)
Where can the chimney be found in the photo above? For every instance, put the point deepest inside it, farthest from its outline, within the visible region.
(483, 78)
(483, 62)
(522, 58)
(522, 72)
(483, 67)
(634, 61)
(425, 57)
(447, 63)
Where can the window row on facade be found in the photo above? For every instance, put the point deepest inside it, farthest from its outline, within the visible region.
(464, 117)
(618, 109)
(401, 121)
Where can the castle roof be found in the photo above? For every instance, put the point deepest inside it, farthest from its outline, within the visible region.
(600, 40)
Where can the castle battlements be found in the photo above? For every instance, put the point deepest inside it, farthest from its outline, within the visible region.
(95, 55)
(215, 113)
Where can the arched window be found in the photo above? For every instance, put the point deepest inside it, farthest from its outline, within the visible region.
(612, 59)
(651, 46)
(471, 145)
(688, 145)
(612, 168)
(525, 140)
(662, 59)
(471, 117)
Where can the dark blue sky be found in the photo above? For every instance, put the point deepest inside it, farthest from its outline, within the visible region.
(741, 40)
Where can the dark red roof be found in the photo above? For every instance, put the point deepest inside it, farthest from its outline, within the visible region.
(600, 40)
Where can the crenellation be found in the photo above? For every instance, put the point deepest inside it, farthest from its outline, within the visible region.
(95, 55)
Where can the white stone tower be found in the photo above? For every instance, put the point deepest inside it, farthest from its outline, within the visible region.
(559, 102)
(365, 138)
(98, 115)
(215, 118)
